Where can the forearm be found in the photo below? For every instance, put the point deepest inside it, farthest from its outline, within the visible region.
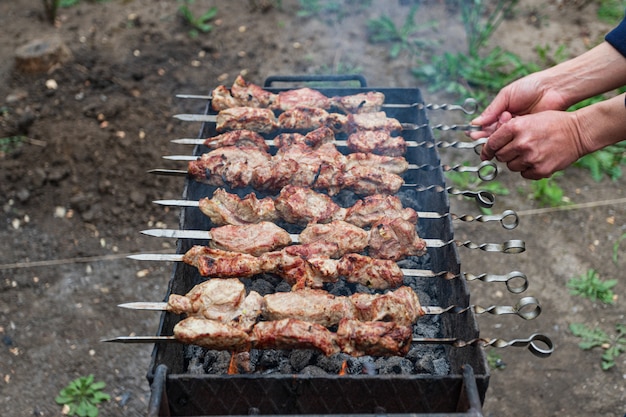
(601, 124)
(597, 71)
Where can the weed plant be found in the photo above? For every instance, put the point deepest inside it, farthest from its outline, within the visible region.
(82, 396)
(198, 23)
(593, 337)
(404, 38)
(331, 11)
(592, 287)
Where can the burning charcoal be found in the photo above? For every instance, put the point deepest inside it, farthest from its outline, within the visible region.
(300, 359)
(331, 364)
(441, 366)
(394, 365)
(269, 359)
(262, 286)
(313, 371)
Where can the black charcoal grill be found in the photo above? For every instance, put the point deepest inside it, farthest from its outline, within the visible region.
(432, 380)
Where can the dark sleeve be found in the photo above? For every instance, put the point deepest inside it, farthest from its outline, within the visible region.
(617, 37)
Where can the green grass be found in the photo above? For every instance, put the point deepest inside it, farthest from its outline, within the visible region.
(198, 22)
(82, 396)
(594, 337)
(590, 286)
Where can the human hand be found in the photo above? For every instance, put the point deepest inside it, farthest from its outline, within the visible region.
(524, 96)
(536, 145)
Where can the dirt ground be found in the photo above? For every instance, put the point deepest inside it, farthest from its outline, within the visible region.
(76, 193)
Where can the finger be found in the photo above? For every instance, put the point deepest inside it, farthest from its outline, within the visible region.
(496, 142)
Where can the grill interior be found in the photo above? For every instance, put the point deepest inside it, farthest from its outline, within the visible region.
(431, 379)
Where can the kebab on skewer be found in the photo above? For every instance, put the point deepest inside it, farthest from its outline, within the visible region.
(246, 94)
(225, 300)
(378, 142)
(367, 141)
(298, 205)
(323, 168)
(388, 238)
(300, 119)
(301, 266)
(354, 337)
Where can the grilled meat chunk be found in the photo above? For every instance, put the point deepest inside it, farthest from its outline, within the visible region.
(378, 142)
(226, 208)
(229, 165)
(373, 121)
(220, 263)
(367, 102)
(375, 338)
(256, 119)
(301, 97)
(252, 95)
(304, 205)
(255, 238)
(303, 118)
(223, 300)
(314, 306)
(395, 239)
(241, 138)
(348, 237)
(312, 139)
(370, 272)
(294, 334)
(401, 306)
(364, 180)
(372, 208)
(211, 334)
(392, 164)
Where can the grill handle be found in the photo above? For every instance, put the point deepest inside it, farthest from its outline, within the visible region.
(315, 78)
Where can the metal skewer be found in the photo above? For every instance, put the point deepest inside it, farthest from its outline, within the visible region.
(212, 118)
(531, 342)
(475, 145)
(483, 198)
(510, 246)
(486, 170)
(469, 106)
(508, 218)
(527, 308)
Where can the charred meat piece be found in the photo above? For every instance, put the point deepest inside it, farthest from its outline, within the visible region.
(372, 208)
(302, 205)
(250, 118)
(314, 306)
(255, 238)
(312, 139)
(211, 334)
(375, 338)
(229, 165)
(222, 99)
(378, 142)
(392, 164)
(226, 208)
(395, 239)
(370, 272)
(373, 121)
(240, 138)
(294, 334)
(303, 118)
(370, 101)
(295, 270)
(223, 300)
(401, 306)
(220, 263)
(252, 95)
(301, 97)
(365, 180)
(348, 237)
